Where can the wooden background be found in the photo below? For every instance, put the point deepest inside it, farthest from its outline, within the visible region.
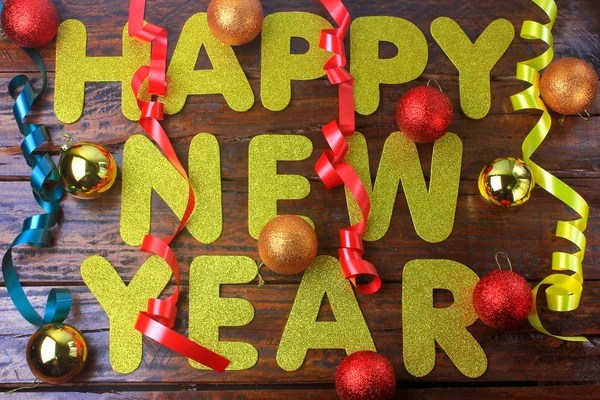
(522, 362)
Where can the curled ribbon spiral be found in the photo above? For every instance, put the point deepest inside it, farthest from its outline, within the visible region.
(565, 290)
(159, 318)
(330, 166)
(47, 190)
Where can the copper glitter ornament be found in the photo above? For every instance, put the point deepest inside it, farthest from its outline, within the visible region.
(569, 86)
(287, 244)
(56, 353)
(29, 23)
(86, 169)
(235, 22)
(506, 182)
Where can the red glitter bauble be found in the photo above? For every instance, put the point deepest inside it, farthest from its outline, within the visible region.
(30, 23)
(502, 299)
(423, 114)
(365, 375)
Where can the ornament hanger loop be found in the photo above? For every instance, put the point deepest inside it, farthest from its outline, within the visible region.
(436, 82)
(585, 115)
(507, 259)
(70, 141)
(261, 281)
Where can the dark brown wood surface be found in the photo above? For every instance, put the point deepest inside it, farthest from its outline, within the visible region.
(523, 364)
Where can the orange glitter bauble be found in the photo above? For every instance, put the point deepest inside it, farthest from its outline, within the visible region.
(287, 244)
(235, 22)
(569, 86)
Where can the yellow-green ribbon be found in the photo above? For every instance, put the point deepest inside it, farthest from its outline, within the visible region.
(565, 290)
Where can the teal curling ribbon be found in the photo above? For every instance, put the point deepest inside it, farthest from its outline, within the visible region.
(47, 190)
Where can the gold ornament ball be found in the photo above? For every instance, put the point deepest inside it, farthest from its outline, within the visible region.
(235, 22)
(87, 170)
(288, 244)
(56, 353)
(507, 182)
(569, 86)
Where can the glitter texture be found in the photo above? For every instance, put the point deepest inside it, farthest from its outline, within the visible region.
(235, 22)
(365, 375)
(288, 244)
(432, 210)
(209, 311)
(278, 67)
(423, 114)
(226, 77)
(29, 23)
(74, 68)
(502, 299)
(265, 186)
(145, 169)
(370, 71)
(569, 85)
(302, 332)
(425, 325)
(122, 303)
(474, 61)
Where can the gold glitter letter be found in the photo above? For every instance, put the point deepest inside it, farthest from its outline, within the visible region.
(279, 67)
(122, 303)
(474, 61)
(226, 77)
(145, 168)
(432, 210)
(74, 68)
(369, 70)
(209, 311)
(423, 324)
(302, 332)
(265, 186)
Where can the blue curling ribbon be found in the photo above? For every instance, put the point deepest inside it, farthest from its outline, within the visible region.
(47, 190)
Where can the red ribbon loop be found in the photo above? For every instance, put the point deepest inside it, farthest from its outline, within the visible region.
(157, 322)
(330, 166)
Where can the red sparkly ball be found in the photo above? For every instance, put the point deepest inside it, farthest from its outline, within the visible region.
(365, 375)
(30, 23)
(502, 299)
(423, 114)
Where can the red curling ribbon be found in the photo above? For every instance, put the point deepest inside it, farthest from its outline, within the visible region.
(159, 318)
(330, 166)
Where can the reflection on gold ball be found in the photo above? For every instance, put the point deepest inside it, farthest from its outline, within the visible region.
(87, 170)
(235, 22)
(506, 182)
(56, 353)
(569, 86)
(287, 244)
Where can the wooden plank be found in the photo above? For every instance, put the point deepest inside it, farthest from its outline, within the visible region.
(283, 393)
(539, 357)
(480, 230)
(566, 153)
(105, 25)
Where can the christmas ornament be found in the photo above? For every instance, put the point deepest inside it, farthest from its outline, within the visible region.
(235, 22)
(506, 182)
(423, 114)
(502, 299)
(29, 23)
(569, 86)
(87, 170)
(365, 375)
(287, 244)
(56, 353)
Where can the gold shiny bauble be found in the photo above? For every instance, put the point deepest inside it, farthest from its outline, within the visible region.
(235, 22)
(569, 86)
(506, 182)
(87, 170)
(287, 244)
(56, 353)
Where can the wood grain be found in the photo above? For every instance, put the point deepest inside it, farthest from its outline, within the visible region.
(523, 364)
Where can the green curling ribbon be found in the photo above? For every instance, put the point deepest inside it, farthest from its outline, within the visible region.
(565, 290)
